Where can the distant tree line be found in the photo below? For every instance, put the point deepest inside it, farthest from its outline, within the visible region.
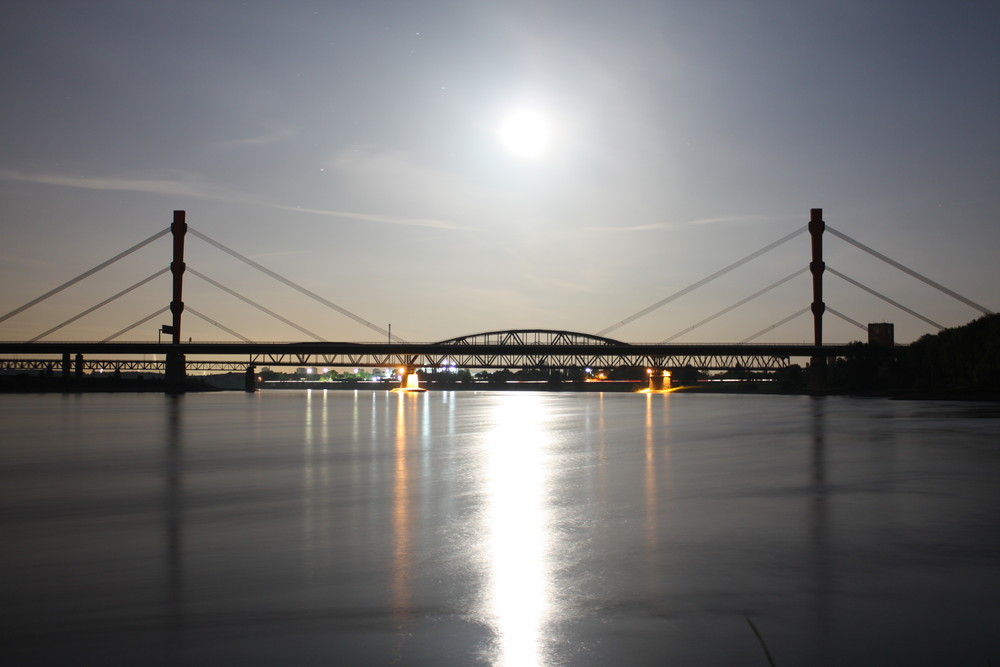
(960, 361)
(964, 359)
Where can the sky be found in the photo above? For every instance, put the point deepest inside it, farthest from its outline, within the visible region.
(363, 151)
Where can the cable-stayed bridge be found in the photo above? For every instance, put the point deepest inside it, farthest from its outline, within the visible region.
(516, 348)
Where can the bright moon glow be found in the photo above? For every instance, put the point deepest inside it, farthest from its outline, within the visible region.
(526, 133)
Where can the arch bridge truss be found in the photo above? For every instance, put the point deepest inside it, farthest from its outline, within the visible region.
(514, 348)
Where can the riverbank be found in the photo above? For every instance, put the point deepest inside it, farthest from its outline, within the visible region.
(43, 384)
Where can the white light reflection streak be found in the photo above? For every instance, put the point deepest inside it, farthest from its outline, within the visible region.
(653, 510)
(518, 602)
(602, 454)
(650, 478)
(316, 484)
(324, 434)
(310, 510)
(650, 514)
(402, 561)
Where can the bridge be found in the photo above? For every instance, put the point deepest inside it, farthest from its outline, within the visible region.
(517, 348)
(535, 348)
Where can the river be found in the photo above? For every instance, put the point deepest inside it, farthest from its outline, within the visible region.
(497, 528)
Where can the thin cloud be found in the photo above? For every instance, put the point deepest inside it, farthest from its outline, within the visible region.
(375, 217)
(200, 190)
(274, 136)
(727, 219)
(183, 188)
(278, 253)
(633, 228)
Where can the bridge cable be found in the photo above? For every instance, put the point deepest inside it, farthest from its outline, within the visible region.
(100, 305)
(846, 318)
(214, 323)
(704, 281)
(737, 305)
(776, 325)
(254, 304)
(883, 297)
(295, 286)
(133, 326)
(85, 274)
(911, 272)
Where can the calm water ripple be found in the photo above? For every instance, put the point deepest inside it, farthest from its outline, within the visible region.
(492, 528)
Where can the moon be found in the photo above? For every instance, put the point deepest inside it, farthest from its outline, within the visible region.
(526, 133)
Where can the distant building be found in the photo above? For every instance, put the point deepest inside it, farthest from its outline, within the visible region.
(881, 334)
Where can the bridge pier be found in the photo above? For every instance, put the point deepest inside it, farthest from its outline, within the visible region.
(817, 365)
(250, 379)
(659, 379)
(409, 380)
(175, 364)
(176, 372)
(65, 366)
(78, 366)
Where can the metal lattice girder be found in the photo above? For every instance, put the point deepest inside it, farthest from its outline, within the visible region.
(500, 361)
(89, 365)
(520, 337)
(703, 362)
(29, 364)
(95, 365)
(492, 350)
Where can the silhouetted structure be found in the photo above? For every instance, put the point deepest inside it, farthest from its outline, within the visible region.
(881, 334)
(175, 368)
(817, 366)
(546, 350)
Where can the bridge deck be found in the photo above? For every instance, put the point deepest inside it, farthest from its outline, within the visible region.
(236, 355)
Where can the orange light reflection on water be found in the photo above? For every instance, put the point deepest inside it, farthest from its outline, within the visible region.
(402, 561)
(658, 391)
(655, 466)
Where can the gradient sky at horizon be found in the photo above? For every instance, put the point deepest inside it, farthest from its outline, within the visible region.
(353, 148)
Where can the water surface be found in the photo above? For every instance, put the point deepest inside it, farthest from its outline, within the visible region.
(360, 528)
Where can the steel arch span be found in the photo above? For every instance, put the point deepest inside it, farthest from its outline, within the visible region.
(522, 337)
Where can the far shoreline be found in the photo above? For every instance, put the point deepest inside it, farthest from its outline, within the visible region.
(28, 384)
